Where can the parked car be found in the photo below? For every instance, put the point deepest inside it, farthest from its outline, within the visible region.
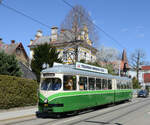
(143, 93)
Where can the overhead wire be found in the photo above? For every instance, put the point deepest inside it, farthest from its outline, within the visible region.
(45, 25)
(23, 14)
(27, 16)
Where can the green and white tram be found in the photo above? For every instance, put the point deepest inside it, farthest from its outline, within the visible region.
(65, 88)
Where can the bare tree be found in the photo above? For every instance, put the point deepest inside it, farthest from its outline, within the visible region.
(107, 54)
(76, 19)
(137, 59)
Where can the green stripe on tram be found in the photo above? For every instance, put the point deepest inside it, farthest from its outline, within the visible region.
(41, 96)
(77, 93)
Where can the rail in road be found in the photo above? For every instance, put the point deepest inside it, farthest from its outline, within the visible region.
(86, 116)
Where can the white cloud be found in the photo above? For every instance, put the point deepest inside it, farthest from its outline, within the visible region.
(124, 30)
(141, 35)
(94, 21)
(139, 28)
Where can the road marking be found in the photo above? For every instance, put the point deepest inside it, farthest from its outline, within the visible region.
(61, 122)
(15, 118)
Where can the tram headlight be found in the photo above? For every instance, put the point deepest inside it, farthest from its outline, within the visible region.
(46, 101)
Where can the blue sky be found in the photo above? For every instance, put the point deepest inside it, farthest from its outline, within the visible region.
(127, 21)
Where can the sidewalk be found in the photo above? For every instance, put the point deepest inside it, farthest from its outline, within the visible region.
(17, 113)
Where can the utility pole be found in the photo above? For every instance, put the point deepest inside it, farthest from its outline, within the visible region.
(76, 53)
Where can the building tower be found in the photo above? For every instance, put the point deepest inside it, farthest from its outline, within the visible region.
(124, 66)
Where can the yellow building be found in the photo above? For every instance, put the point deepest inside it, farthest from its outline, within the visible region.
(67, 45)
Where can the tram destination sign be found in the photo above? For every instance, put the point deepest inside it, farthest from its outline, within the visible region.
(90, 68)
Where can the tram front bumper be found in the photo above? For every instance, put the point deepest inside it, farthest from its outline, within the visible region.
(50, 105)
(44, 107)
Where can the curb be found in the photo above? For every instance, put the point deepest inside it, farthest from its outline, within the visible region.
(15, 118)
(17, 108)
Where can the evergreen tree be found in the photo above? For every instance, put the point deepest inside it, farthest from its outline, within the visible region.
(135, 83)
(44, 54)
(9, 65)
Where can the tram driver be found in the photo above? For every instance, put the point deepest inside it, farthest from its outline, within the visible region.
(69, 85)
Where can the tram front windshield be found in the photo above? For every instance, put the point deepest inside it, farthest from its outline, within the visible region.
(51, 84)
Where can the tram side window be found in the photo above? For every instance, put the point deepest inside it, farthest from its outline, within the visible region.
(118, 85)
(125, 86)
(122, 86)
(130, 85)
(83, 83)
(69, 82)
(104, 84)
(109, 84)
(98, 84)
(91, 83)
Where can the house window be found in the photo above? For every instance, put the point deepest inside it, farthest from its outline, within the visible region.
(18, 51)
(85, 54)
(65, 56)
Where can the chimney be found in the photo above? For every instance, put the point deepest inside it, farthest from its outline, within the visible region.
(12, 41)
(39, 33)
(62, 30)
(54, 34)
(31, 41)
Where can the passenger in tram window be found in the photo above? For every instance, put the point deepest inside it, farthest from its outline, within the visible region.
(81, 87)
(69, 85)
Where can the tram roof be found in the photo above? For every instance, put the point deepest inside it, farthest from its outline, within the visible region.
(72, 70)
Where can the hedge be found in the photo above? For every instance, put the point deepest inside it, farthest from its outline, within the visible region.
(17, 92)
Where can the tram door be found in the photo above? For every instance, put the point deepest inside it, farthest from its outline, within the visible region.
(114, 87)
(114, 84)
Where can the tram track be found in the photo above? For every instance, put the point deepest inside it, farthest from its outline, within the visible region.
(107, 112)
(127, 113)
(53, 121)
(110, 121)
(30, 120)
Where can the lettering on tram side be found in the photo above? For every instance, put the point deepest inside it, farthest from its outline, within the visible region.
(90, 68)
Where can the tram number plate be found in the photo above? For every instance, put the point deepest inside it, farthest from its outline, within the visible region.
(46, 105)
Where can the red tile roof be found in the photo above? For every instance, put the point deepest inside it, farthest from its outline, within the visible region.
(145, 67)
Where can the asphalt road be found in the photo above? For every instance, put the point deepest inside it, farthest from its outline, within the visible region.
(136, 112)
